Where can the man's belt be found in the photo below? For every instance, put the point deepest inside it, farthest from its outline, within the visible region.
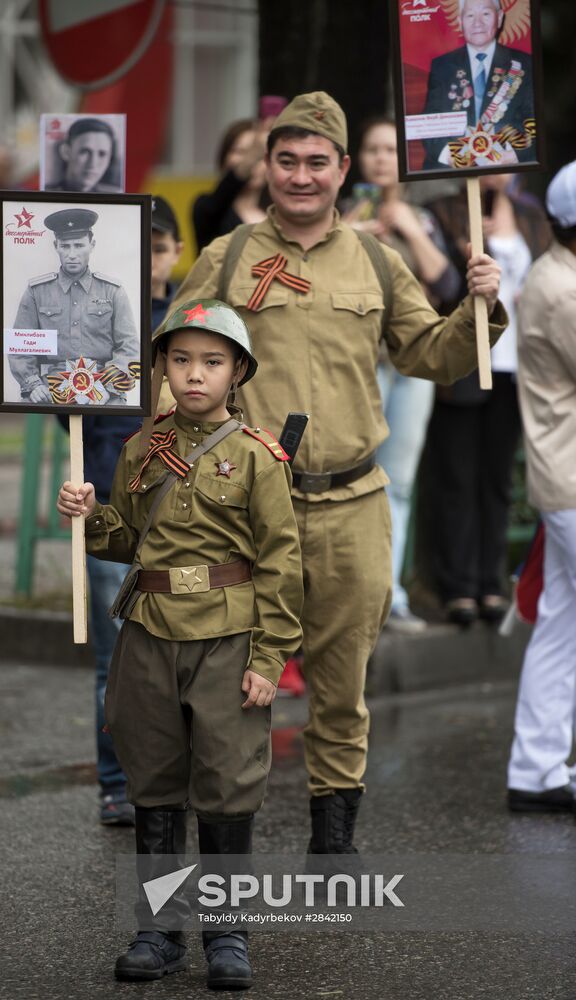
(193, 579)
(321, 482)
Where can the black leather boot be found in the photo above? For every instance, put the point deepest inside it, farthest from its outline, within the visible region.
(333, 820)
(330, 850)
(159, 947)
(226, 952)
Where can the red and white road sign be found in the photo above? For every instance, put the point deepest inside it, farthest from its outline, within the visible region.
(92, 43)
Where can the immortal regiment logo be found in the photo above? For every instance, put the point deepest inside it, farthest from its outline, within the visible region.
(23, 231)
(418, 10)
(55, 130)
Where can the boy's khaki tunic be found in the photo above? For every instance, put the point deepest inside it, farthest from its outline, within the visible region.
(317, 352)
(207, 518)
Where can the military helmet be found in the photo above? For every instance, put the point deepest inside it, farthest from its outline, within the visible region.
(215, 317)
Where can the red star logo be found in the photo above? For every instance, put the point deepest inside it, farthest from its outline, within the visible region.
(198, 313)
(225, 468)
(24, 219)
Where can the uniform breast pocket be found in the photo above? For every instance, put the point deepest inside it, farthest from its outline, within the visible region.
(152, 476)
(98, 319)
(50, 317)
(221, 499)
(274, 298)
(358, 303)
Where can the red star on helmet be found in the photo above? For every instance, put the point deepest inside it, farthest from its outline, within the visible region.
(198, 314)
(24, 218)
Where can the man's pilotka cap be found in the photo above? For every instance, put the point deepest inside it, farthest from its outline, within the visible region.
(316, 112)
(163, 218)
(561, 197)
(71, 222)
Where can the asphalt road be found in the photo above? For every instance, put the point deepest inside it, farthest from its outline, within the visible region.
(435, 789)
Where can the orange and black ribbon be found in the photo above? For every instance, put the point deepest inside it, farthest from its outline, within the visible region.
(272, 269)
(161, 445)
(120, 380)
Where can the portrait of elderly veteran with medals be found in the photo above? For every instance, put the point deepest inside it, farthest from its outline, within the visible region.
(316, 298)
(98, 348)
(487, 80)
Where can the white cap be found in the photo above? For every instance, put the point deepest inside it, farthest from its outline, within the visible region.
(561, 197)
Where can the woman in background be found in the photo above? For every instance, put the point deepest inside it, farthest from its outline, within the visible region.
(240, 193)
(474, 434)
(381, 208)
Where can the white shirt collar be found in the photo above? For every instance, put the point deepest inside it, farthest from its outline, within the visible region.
(487, 63)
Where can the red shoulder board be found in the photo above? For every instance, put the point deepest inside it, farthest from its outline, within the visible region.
(269, 441)
(161, 416)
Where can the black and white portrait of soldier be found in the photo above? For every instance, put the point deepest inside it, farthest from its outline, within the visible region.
(96, 359)
(90, 158)
(488, 81)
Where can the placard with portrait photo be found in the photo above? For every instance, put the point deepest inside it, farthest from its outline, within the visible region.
(468, 86)
(75, 300)
(85, 154)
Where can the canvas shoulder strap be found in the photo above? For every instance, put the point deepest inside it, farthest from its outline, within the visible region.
(233, 253)
(374, 249)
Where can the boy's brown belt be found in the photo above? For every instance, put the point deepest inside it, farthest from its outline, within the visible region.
(320, 482)
(193, 579)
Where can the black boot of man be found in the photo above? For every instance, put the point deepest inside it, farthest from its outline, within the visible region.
(333, 820)
(226, 953)
(331, 850)
(159, 947)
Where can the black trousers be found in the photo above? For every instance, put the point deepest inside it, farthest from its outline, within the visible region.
(470, 451)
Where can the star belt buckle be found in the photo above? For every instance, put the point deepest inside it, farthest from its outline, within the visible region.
(189, 580)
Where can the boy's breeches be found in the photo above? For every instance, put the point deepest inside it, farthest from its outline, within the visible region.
(346, 553)
(173, 709)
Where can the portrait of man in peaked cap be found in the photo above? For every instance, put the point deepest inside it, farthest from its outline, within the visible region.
(72, 334)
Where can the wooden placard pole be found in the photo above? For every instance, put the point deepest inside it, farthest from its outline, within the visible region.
(480, 305)
(78, 546)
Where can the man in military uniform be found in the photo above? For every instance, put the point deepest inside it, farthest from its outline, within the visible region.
(309, 290)
(93, 319)
(87, 153)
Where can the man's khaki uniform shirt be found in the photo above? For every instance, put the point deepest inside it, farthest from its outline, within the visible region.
(317, 352)
(207, 519)
(92, 316)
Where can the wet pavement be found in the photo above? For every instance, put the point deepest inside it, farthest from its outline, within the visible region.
(435, 786)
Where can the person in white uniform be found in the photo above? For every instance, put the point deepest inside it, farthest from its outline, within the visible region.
(539, 777)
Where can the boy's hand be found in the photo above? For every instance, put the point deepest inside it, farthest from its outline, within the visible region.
(260, 691)
(74, 501)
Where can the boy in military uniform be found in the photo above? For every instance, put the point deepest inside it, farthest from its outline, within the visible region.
(90, 312)
(198, 659)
